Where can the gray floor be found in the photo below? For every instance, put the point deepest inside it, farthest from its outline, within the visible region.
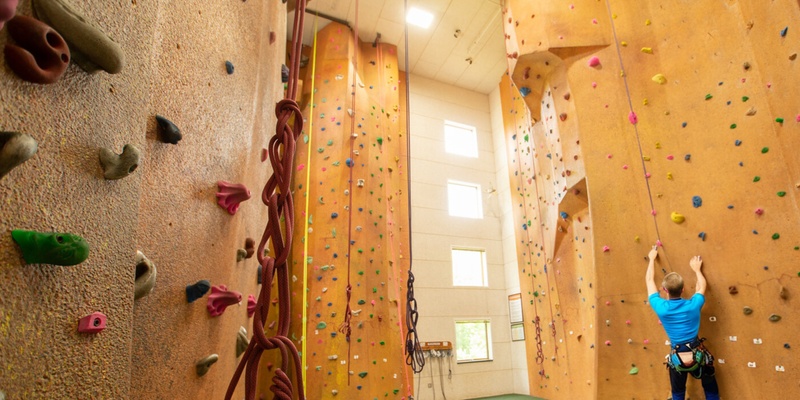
(510, 397)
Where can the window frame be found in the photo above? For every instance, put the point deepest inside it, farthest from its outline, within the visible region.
(488, 336)
(457, 125)
(478, 198)
(484, 266)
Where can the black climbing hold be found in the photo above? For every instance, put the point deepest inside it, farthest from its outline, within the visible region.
(169, 131)
(229, 67)
(198, 290)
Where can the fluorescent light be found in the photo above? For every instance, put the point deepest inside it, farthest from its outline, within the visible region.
(419, 18)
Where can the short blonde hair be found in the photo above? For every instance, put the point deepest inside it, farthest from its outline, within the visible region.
(673, 282)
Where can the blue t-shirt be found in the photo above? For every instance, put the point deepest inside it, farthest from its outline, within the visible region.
(680, 317)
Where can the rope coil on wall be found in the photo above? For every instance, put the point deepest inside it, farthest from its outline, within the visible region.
(277, 196)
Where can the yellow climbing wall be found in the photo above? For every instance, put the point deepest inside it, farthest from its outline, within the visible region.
(356, 195)
(711, 87)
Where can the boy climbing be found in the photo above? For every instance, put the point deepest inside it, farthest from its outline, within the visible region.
(681, 321)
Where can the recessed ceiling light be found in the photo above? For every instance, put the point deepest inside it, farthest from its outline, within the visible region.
(419, 18)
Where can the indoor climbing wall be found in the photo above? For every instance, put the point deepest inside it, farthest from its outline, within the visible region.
(175, 66)
(354, 186)
(681, 116)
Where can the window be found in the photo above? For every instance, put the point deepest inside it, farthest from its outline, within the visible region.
(460, 139)
(469, 267)
(464, 199)
(473, 341)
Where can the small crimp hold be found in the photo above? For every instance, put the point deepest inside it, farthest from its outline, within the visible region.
(92, 323)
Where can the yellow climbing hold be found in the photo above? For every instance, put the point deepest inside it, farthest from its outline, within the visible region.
(648, 50)
(659, 79)
(645, 102)
(677, 218)
(658, 145)
(647, 22)
(623, 43)
(646, 158)
(636, 239)
(622, 73)
(669, 175)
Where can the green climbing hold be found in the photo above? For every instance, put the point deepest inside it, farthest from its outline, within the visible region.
(320, 149)
(536, 294)
(776, 236)
(745, 98)
(634, 370)
(51, 248)
(779, 120)
(764, 150)
(361, 302)
(709, 96)
(380, 140)
(733, 126)
(305, 138)
(330, 142)
(395, 391)
(756, 179)
(781, 194)
(361, 272)
(382, 343)
(322, 325)
(374, 290)
(362, 374)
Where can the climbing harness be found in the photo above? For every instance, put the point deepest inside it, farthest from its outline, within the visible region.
(413, 350)
(277, 196)
(692, 357)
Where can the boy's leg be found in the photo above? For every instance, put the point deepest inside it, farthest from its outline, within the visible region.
(709, 380)
(678, 382)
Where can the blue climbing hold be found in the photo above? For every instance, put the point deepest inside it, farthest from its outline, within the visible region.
(730, 206)
(524, 91)
(697, 201)
(687, 157)
(564, 215)
(524, 227)
(737, 142)
(334, 215)
(784, 31)
(229, 67)
(349, 162)
(683, 125)
(702, 235)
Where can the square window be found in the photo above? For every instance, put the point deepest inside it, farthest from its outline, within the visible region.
(469, 267)
(460, 139)
(473, 341)
(464, 199)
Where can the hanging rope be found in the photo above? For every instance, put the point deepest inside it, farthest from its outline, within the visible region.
(277, 196)
(308, 188)
(346, 328)
(414, 356)
(638, 138)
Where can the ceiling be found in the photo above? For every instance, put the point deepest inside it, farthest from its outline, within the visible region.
(436, 52)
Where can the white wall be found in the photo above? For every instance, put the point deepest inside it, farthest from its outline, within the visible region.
(434, 232)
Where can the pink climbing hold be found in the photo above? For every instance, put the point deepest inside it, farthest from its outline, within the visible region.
(594, 61)
(646, 341)
(608, 303)
(594, 21)
(300, 167)
(608, 343)
(633, 118)
(658, 242)
(670, 157)
(627, 322)
(251, 305)
(647, 175)
(230, 195)
(625, 166)
(653, 212)
(609, 156)
(759, 211)
(220, 298)
(606, 249)
(594, 85)
(92, 323)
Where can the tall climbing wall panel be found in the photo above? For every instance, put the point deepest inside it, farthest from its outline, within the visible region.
(355, 186)
(682, 117)
(175, 66)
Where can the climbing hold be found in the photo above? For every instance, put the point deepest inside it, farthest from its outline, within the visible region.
(322, 325)
(781, 194)
(92, 323)
(7, 10)
(633, 118)
(15, 149)
(230, 195)
(709, 96)
(51, 248)
(787, 346)
(198, 290)
(756, 178)
(764, 150)
(733, 290)
(776, 236)
(241, 254)
(229, 67)
(564, 215)
(606, 249)
(779, 120)
(249, 247)
(697, 201)
(172, 135)
(285, 75)
(687, 157)
(362, 374)
(334, 215)
(594, 61)
(677, 218)
(203, 365)
(747, 310)
(659, 79)
(566, 96)
(633, 370)
(737, 142)
(91, 49)
(733, 126)
(647, 50)
(220, 298)
(118, 166)
(783, 293)
(702, 236)
(759, 211)
(241, 341)
(562, 116)
(784, 31)
(41, 55)
(349, 162)
(251, 305)
(524, 91)
(145, 279)
(608, 343)
(774, 317)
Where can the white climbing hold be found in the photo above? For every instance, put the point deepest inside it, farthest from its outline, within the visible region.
(780, 368)
(757, 341)
(732, 338)
(712, 319)
(721, 360)
(751, 364)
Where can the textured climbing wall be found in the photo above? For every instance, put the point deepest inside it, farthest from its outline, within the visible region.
(668, 107)
(357, 218)
(175, 54)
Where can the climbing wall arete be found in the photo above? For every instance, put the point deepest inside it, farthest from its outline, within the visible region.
(665, 122)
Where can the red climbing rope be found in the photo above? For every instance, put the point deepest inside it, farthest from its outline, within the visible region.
(277, 196)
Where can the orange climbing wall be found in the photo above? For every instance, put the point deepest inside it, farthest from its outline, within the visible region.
(368, 210)
(729, 70)
(175, 54)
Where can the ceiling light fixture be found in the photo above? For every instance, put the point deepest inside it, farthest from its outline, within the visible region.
(419, 17)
